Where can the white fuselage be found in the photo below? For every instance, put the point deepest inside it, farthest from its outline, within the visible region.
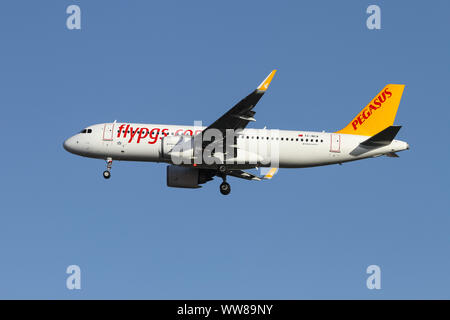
(255, 147)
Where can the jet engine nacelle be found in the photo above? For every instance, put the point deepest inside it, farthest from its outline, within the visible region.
(182, 177)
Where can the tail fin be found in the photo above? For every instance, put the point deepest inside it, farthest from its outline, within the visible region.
(378, 114)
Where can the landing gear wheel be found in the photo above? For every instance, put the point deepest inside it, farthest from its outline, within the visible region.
(107, 172)
(222, 168)
(225, 188)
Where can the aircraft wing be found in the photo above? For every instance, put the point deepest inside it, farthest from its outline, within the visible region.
(242, 113)
(249, 176)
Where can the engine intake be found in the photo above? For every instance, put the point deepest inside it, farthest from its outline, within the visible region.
(182, 177)
(187, 177)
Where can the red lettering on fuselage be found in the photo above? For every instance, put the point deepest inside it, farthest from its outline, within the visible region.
(141, 136)
(152, 134)
(126, 130)
(120, 130)
(132, 133)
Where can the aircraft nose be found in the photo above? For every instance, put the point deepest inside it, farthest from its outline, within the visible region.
(69, 145)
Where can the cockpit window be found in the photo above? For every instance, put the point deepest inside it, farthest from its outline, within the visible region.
(83, 131)
(89, 131)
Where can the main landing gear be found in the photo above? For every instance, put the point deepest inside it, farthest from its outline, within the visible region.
(225, 187)
(107, 172)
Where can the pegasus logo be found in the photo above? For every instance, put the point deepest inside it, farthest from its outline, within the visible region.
(368, 111)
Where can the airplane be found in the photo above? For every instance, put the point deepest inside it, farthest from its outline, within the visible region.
(194, 159)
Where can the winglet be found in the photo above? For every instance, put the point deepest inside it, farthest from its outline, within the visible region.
(270, 174)
(265, 84)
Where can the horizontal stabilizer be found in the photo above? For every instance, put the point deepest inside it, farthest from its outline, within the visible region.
(382, 138)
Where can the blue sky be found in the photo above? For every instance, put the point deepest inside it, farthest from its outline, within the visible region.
(308, 233)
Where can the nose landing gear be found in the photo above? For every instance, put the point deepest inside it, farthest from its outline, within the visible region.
(107, 172)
